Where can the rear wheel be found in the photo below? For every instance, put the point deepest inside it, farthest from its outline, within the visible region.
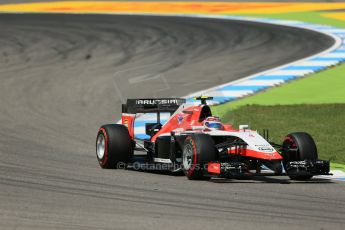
(198, 150)
(113, 146)
(298, 147)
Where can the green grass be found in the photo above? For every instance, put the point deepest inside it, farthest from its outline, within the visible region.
(325, 122)
(322, 88)
(338, 166)
(311, 17)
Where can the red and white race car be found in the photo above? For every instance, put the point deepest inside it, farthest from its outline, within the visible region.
(196, 142)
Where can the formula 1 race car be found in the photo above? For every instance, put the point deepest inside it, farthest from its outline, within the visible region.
(197, 143)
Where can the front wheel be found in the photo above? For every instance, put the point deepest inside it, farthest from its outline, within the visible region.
(298, 147)
(198, 150)
(113, 146)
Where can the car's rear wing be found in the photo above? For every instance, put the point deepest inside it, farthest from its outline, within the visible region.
(148, 105)
(152, 105)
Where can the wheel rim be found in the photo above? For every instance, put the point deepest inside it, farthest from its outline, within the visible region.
(100, 146)
(187, 157)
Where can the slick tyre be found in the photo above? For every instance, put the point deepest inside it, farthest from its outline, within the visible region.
(113, 146)
(305, 149)
(198, 150)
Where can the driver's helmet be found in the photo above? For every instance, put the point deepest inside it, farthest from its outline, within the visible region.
(213, 123)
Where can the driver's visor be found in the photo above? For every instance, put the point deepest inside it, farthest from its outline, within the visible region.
(214, 125)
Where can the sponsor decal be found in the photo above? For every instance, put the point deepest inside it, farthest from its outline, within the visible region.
(156, 101)
(179, 119)
(266, 149)
(297, 163)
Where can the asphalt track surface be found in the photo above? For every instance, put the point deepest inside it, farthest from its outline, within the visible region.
(62, 76)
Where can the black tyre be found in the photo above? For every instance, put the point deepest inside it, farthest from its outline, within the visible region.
(297, 147)
(113, 146)
(198, 150)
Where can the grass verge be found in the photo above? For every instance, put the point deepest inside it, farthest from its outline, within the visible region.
(338, 166)
(326, 87)
(317, 17)
(325, 122)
